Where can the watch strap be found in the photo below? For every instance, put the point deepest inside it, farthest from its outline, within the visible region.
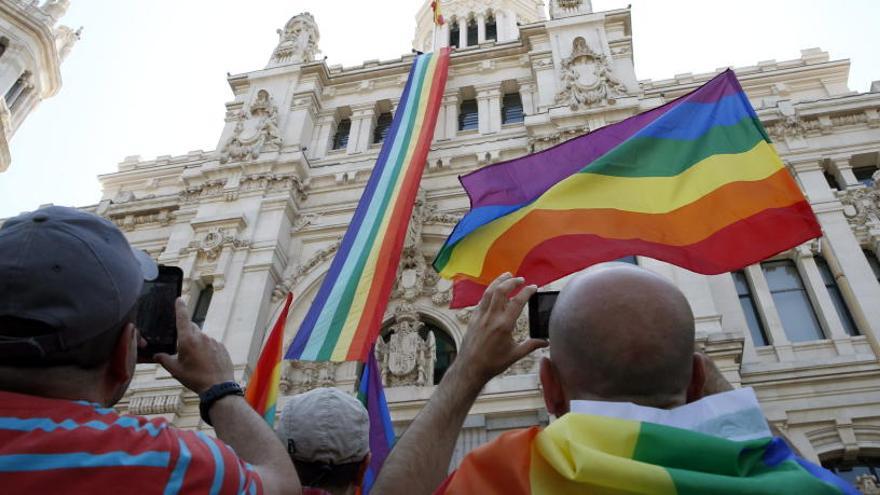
(209, 397)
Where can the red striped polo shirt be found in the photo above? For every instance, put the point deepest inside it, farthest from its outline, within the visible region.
(68, 447)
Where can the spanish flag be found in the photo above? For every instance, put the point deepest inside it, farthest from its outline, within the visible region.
(696, 183)
(438, 16)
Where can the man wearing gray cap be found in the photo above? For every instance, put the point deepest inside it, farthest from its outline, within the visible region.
(69, 287)
(327, 435)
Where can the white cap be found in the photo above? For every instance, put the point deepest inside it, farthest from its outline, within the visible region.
(325, 425)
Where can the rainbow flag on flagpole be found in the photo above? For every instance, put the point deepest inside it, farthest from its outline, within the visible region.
(695, 182)
(344, 319)
(372, 395)
(262, 389)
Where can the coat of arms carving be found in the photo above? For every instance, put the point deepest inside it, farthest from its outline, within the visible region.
(407, 358)
(588, 78)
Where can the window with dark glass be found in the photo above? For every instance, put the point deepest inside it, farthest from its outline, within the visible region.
(472, 39)
(491, 28)
(512, 109)
(340, 139)
(865, 175)
(837, 297)
(445, 350)
(202, 304)
(831, 180)
(874, 262)
(4, 44)
(454, 34)
(13, 92)
(468, 116)
(383, 123)
(747, 301)
(851, 470)
(792, 301)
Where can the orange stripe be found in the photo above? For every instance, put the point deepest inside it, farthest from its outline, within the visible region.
(499, 467)
(687, 225)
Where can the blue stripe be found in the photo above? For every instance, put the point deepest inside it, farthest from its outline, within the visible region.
(827, 476)
(97, 407)
(49, 425)
(240, 479)
(252, 488)
(218, 462)
(175, 482)
(690, 120)
(43, 462)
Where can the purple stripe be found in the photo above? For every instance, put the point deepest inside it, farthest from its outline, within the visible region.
(524, 179)
(372, 394)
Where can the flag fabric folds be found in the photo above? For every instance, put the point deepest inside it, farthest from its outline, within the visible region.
(372, 395)
(438, 16)
(262, 389)
(581, 453)
(344, 319)
(695, 182)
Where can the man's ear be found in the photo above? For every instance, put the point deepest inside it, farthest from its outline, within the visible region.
(554, 395)
(696, 388)
(120, 369)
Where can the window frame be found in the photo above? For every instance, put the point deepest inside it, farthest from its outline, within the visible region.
(838, 300)
(777, 303)
(758, 316)
(462, 115)
(340, 142)
(203, 305)
(504, 106)
(382, 127)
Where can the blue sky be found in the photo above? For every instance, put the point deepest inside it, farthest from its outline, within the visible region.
(148, 77)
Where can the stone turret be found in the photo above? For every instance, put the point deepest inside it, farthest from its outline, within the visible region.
(568, 8)
(474, 22)
(297, 42)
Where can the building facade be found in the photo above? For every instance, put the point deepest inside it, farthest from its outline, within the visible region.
(32, 47)
(263, 214)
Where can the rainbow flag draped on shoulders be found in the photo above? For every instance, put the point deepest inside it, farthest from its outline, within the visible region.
(622, 455)
(695, 182)
(344, 319)
(262, 389)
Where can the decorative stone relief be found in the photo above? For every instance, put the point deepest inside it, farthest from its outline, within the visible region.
(155, 404)
(209, 189)
(861, 207)
(588, 78)
(264, 137)
(302, 376)
(56, 8)
(566, 8)
(212, 243)
(540, 143)
(131, 221)
(303, 269)
(65, 39)
(407, 358)
(867, 485)
(273, 183)
(792, 127)
(297, 42)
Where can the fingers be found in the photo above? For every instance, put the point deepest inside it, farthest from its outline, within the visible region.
(167, 361)
(500, 297)
(519, 301)
(527, 347)
(185, 328)
(486, 300)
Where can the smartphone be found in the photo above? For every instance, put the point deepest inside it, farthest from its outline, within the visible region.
(540, 306)
(156, 320)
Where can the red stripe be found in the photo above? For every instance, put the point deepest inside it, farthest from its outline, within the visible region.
(258, 388)
(738, 245)
(392, 246)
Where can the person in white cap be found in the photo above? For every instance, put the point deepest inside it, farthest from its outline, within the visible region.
(327, 435)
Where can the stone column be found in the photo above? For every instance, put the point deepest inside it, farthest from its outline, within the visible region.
(826, 313)
(500, 31)
(462, 32)
(769, 315)
(322, 136)
(450, 105)
(489, 107)
(812, 181)
(841, 168)
(362, 118)
(481, 28)
(441, 37)
(527, 94)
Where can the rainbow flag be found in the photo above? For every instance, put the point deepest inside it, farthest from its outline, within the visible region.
(345, 317)
(582, 453)
(695, 182)
(372, 395)
(262, 389)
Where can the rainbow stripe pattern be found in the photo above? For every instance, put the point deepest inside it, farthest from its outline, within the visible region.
(345, 317)
(582, 453)
(262, 389)
(695, 182)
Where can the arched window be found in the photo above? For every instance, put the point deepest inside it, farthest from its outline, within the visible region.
(200, 314)
(454, 33)
(472, 39)
(340, 139)
(792, 301)
(852, 470)
(837, 297)
(445, 353)
(491, 28)
(383, 124)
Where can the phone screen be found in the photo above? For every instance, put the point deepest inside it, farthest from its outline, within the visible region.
(540, 306)
(155, 315)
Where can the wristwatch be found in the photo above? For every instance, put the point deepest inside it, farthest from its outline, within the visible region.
(215, 393)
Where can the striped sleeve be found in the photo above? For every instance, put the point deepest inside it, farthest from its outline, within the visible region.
(207, 465)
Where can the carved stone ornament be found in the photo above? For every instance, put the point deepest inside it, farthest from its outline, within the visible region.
(867, 485)
(65, 39)
(792, 127)
(262, 117)
(297, 42)
(588, 78)
(302, 376)
(212, 243)
(862, 207)
(299, 271)
(407, 358)
(155, 404)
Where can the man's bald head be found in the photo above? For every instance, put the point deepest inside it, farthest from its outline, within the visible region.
(622, 333)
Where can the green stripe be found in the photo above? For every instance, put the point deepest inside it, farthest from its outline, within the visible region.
(701, 464)
(339, 317)
(658, 157)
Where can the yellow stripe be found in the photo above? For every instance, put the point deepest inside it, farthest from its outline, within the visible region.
(640, 194)
(580, 453)
(366, 281)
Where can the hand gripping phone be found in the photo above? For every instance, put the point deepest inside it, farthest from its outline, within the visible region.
(540, 306)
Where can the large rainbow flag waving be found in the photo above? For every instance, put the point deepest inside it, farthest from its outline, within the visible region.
(345, 317)
(695, 182)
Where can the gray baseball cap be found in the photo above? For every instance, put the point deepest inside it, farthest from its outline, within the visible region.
(325, 425)
(70, 270)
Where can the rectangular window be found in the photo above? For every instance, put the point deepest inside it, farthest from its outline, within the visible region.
(201, 312)
(750, 309)
(454, 34)
(468, 116)
(831, 180)
(837, 297)
(340, 139)
(383, 124)
(491, 29)
(512, 109)
(865, 175)
(792, 301)
(472, 39)
(874, 262)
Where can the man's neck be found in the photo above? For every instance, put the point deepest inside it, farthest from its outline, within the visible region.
(63, 383)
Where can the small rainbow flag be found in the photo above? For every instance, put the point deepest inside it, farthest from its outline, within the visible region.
(262, 390)
(344, 319)
(372, 395)
(695, 182)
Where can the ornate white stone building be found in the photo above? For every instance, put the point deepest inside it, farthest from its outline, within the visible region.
(32, 47)
(263, 213)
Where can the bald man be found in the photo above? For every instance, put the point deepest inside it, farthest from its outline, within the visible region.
(638, 411)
